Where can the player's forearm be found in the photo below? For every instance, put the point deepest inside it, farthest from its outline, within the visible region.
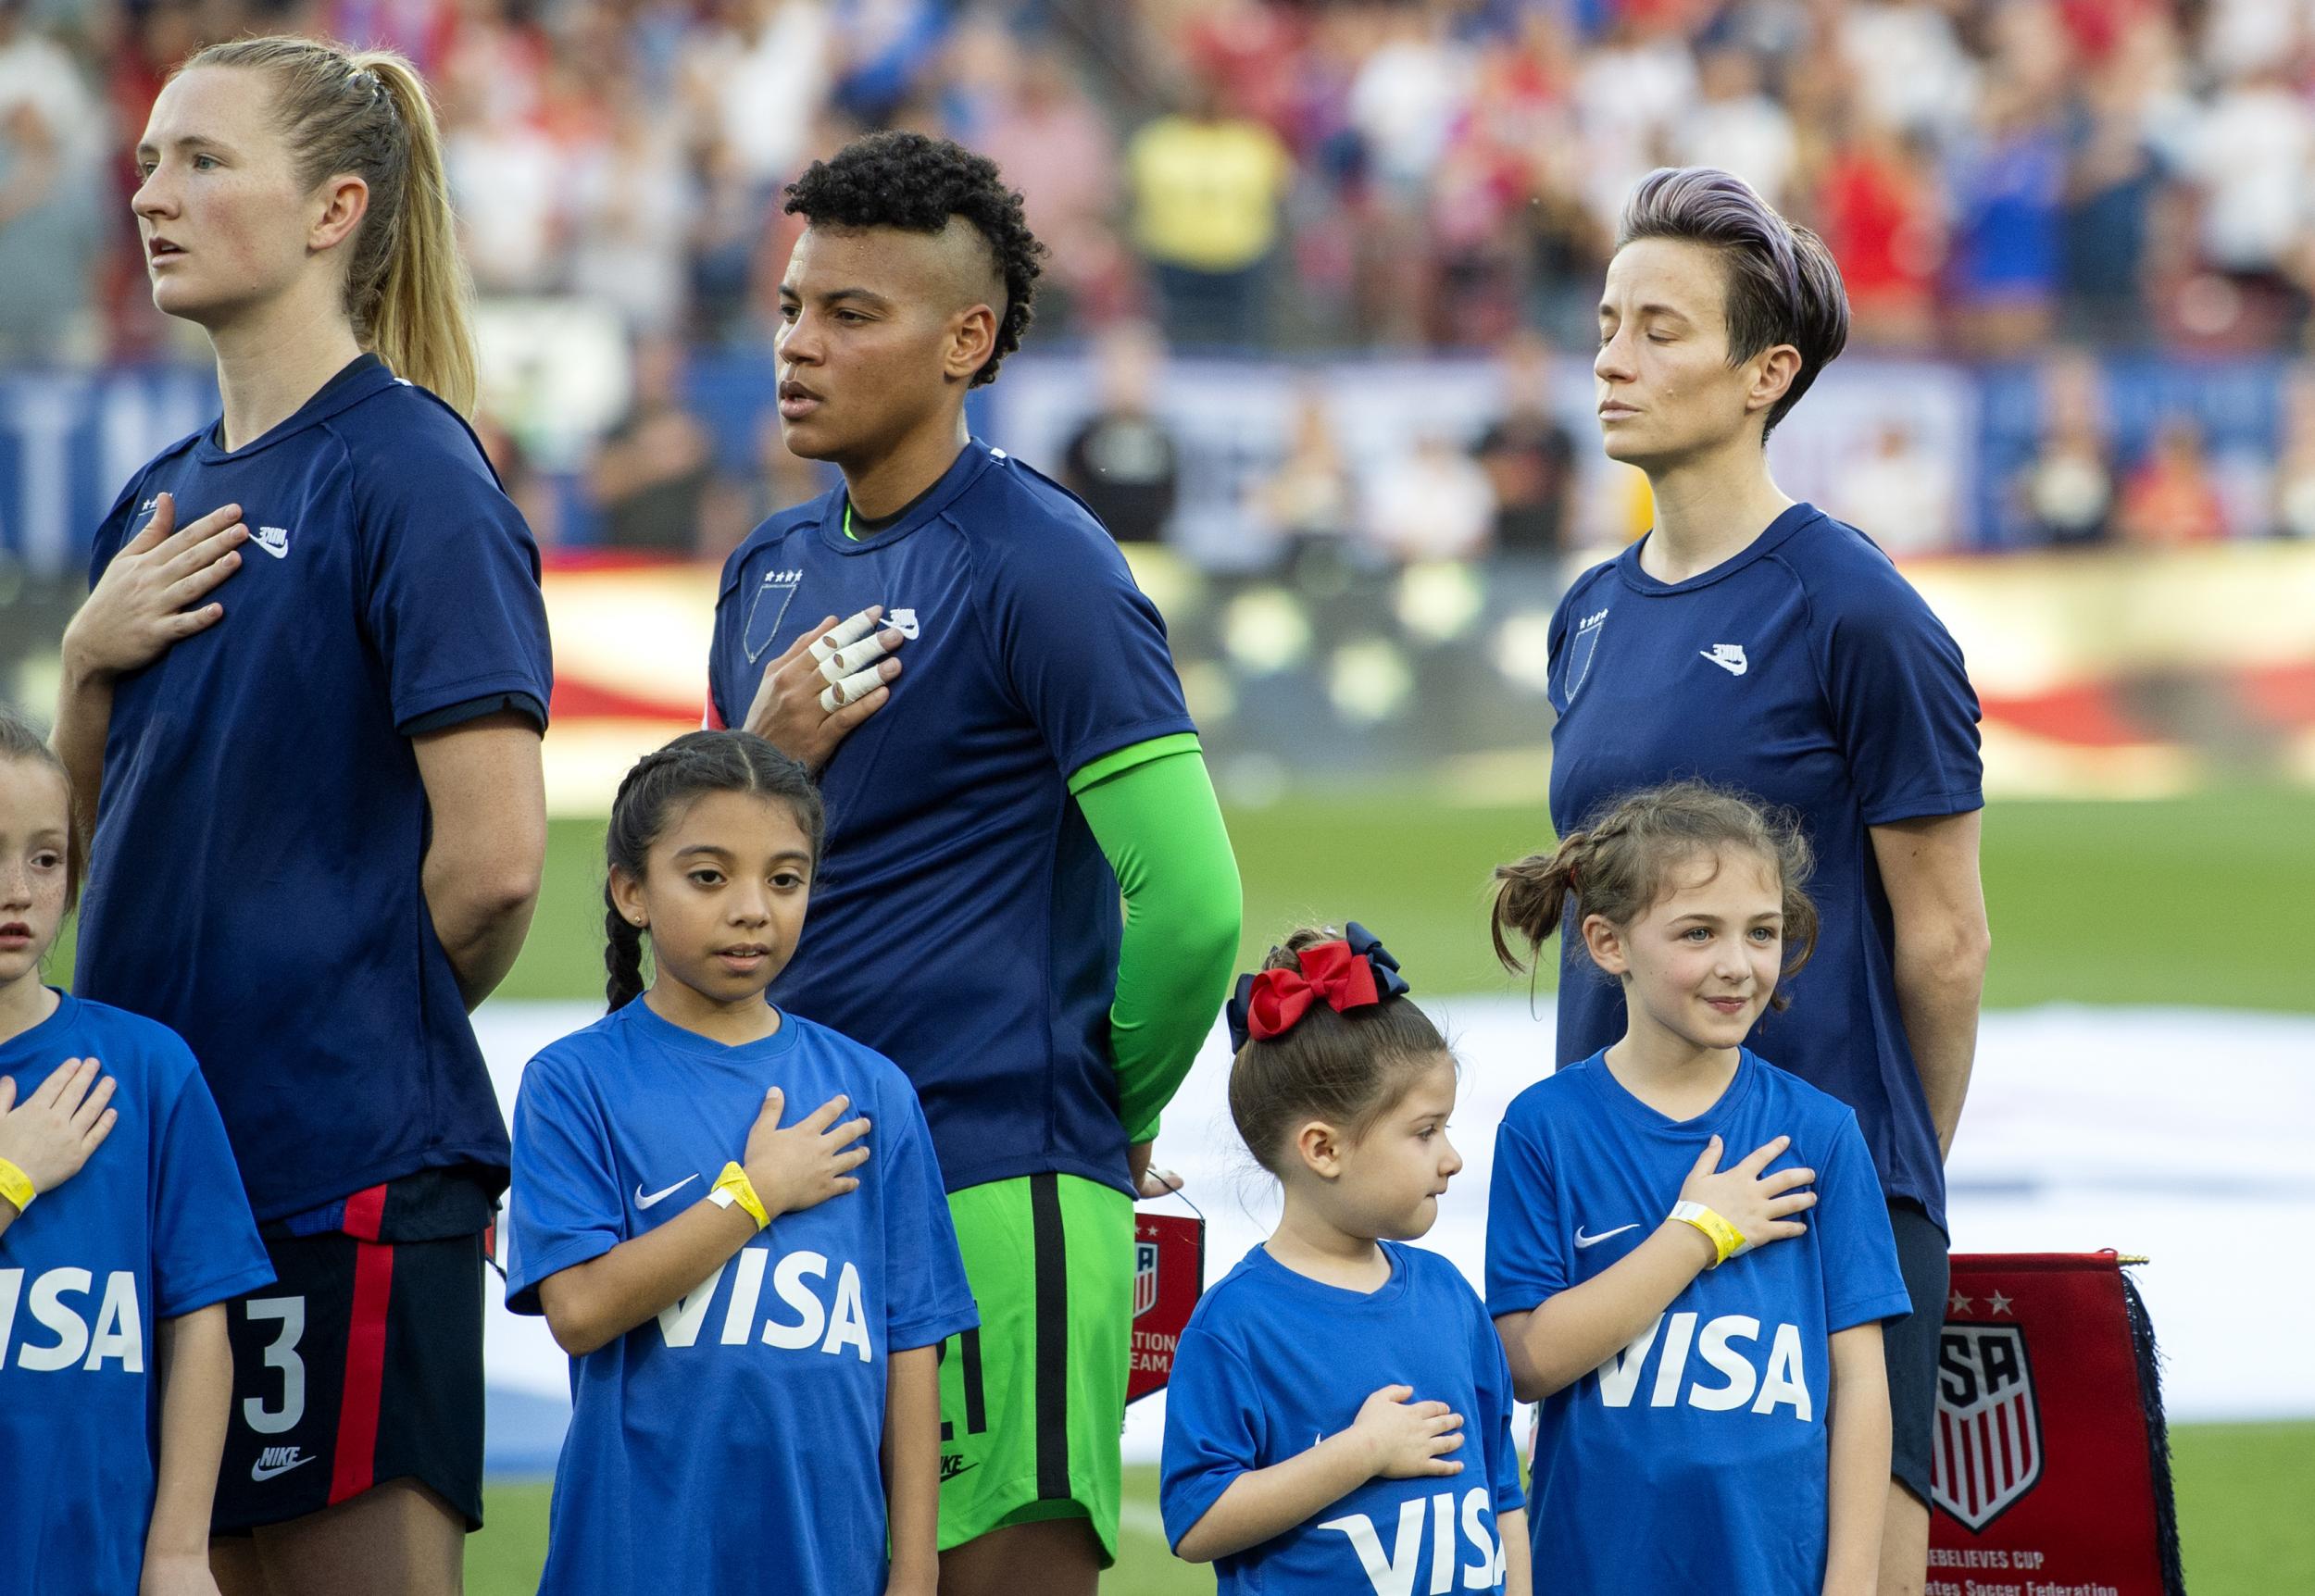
(196, 1376)
(1519, 1577)
(1940, 975)
(594, 1303)
(84, 713)
(1554, 1345)
(1858, 1467)
(1161, 829)
(912, 1469)
(1263, 1503)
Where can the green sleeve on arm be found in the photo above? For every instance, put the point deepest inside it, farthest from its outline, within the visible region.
(1159, 825)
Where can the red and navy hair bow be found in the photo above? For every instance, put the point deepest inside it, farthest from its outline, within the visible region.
(1355, 972)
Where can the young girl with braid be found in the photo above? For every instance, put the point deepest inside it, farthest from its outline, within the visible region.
(752, 1295)
(1705, 1340)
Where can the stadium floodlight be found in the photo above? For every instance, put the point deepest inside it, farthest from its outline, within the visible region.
(1369, 681)
(1440, 600)
(1212, 697)
(1523, 649)
(1266, 630)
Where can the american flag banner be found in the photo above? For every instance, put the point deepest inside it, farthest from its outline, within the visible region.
(2050, 1458)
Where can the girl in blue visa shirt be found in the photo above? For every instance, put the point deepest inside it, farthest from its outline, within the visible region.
(752, 1295)
(123, 1230)
(1715, 1410)
(1339, 1415)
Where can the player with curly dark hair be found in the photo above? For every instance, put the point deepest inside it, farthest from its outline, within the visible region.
(986, 813)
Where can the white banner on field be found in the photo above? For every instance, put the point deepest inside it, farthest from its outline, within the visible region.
(2178, 1133)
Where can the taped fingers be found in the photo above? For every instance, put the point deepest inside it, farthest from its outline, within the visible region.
(854, 656)
(851, 631)
(851, 690)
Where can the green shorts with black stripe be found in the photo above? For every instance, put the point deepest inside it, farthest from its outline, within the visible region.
(1033, 1401)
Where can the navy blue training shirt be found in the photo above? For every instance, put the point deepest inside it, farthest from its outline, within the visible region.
(254, 879)
(1807, 672)
(966, 924)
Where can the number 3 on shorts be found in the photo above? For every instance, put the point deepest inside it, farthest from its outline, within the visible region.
(281, 1355)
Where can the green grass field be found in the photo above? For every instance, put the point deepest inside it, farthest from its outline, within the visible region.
(2171, 902)
(2243, 1490)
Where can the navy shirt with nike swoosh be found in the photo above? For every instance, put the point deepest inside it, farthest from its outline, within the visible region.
(255, 880)
(1804, 671)
(966, 924)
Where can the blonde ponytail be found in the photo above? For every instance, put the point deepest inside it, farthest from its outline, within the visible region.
(368, 114)
(415, 312)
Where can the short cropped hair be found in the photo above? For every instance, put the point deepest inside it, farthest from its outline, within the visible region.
(1783, 285)
(909, 182)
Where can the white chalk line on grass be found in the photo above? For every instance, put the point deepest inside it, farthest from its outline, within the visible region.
(2178, 1133)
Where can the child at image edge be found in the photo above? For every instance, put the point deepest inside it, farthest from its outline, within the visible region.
(1339, 1415)
(753, 1297)
(1705, 1340)
(123, 1229)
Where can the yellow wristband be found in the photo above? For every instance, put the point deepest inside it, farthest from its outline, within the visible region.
(17, 1186)
(733, 1186)
(1727, 1241)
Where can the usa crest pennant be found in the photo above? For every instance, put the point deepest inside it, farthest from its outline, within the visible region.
(2050, 1458)
(1168, 1277)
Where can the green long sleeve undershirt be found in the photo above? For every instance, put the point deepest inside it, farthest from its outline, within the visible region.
(1153, 811)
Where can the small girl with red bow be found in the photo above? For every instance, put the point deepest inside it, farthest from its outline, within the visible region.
(1339, 1413)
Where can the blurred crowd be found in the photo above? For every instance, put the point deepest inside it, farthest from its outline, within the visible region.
(1994, 176)
(1260, 173)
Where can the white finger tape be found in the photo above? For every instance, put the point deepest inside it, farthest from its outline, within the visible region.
(850, 631)
(851, 690)
(853, 657)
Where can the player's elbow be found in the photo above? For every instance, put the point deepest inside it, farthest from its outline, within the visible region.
(566, 1310)
(1197, 1545)
(1950, 951)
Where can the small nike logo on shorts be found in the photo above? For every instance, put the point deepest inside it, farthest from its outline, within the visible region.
(664, 1191)
(953, 1463)
(1582, 1241)
(276, 1459)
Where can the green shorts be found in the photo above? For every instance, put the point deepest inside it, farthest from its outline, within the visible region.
(1033, 1402)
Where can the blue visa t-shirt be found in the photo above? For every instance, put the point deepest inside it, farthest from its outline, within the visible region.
(966, 924)
(151, 1228)
(1273, 1362)
(1694, 1458)
(254, 882)
(731, 1443)
(1804, 671)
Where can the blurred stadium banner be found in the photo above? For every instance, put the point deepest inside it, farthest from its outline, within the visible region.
(2107, 673)
(2051, 1466)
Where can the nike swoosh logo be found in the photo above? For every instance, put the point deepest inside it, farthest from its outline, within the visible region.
(1584, 1240)
(258, 1471)
(664, 1191)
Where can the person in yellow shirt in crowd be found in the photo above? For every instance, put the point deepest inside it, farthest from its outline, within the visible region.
(1210, 189)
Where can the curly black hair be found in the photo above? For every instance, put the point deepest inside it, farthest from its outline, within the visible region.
(916, 183)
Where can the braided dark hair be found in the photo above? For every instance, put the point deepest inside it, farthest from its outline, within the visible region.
(916, 183)
(693, 766)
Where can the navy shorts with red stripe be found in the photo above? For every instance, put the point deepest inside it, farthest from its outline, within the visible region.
(361, 1364)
